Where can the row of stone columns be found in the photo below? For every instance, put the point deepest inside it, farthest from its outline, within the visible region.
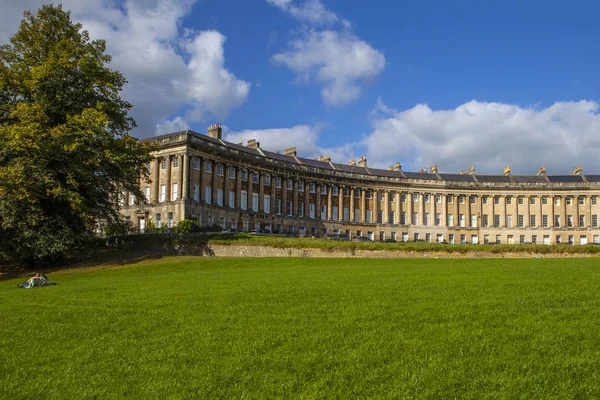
(183, 178)
(185, 162)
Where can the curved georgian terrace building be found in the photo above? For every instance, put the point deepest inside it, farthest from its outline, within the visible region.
(205, 178)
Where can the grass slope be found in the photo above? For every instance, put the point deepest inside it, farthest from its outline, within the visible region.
(306, 328)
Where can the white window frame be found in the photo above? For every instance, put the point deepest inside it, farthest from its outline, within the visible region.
(174, 191)
(244, 200)
(208, 194)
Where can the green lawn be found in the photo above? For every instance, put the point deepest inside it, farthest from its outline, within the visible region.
(306, 328)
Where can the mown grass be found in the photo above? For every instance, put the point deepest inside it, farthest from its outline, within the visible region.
(306, 328)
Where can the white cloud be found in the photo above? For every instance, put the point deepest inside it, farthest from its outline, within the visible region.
(305, 138)
(169, 67)
(339, 61)
(176, 124)
(311, 11)
(488, 135)
(334, 58)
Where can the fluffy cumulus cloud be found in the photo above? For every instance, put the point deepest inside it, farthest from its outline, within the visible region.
(488, 135)
(339, 61)
(303, 137)
(176, 75)
(334, 58)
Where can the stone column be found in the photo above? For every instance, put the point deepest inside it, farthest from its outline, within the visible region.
(444, 210)
(295, 204)
(318, 201)
(432, 210)
(540, 216)
(202, 180)
(504, 217)
(329, 202)
(576, 216)
(493, 207)
(398, 198)
(250, 190)
(363, 207)
(552, 211)
(307, 200)
(185, 180)
(421, 220)
(226, 185)
(457, 211)
(588, 213)
(351, 211)
(480, 212)
(468, 212)
(386, 207)
(168, 180)
(516, 213)
(527, 211)
(215, 184)
(238, 189)
(284, 197)
(564, 200)
(340, 204)
(155, 191)
(261, 192)
(273, 195)
(375, 208)
(409, 208)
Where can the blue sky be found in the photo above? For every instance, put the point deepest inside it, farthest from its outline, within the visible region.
(431, 82)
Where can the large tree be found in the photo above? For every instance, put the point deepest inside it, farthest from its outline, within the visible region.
(65, 149)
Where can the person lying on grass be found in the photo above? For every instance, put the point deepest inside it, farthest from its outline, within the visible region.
(37, 280)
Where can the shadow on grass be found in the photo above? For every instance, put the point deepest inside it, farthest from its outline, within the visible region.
(121, 251)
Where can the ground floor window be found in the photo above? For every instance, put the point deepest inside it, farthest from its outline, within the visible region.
(546, 239)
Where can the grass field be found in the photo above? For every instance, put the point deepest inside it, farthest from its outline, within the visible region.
(306, 328)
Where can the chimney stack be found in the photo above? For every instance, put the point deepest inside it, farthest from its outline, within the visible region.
(352, 163)
(253, 144)
(433, 169)
(362, 161)
(397, 167)
(215, 131)
(507, 170)
(542, 171)
(471, 170)
(577, 171)
(326, 158)
(290, 151)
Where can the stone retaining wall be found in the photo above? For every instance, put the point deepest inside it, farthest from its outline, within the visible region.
(265, 251)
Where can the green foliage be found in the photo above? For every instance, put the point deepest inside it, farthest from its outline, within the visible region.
(65, 151)
(306, 328)
(189, 225)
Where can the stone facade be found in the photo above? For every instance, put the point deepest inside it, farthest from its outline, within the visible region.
(205, 178)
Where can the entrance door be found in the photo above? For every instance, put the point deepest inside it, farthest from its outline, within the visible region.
(142, 223)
